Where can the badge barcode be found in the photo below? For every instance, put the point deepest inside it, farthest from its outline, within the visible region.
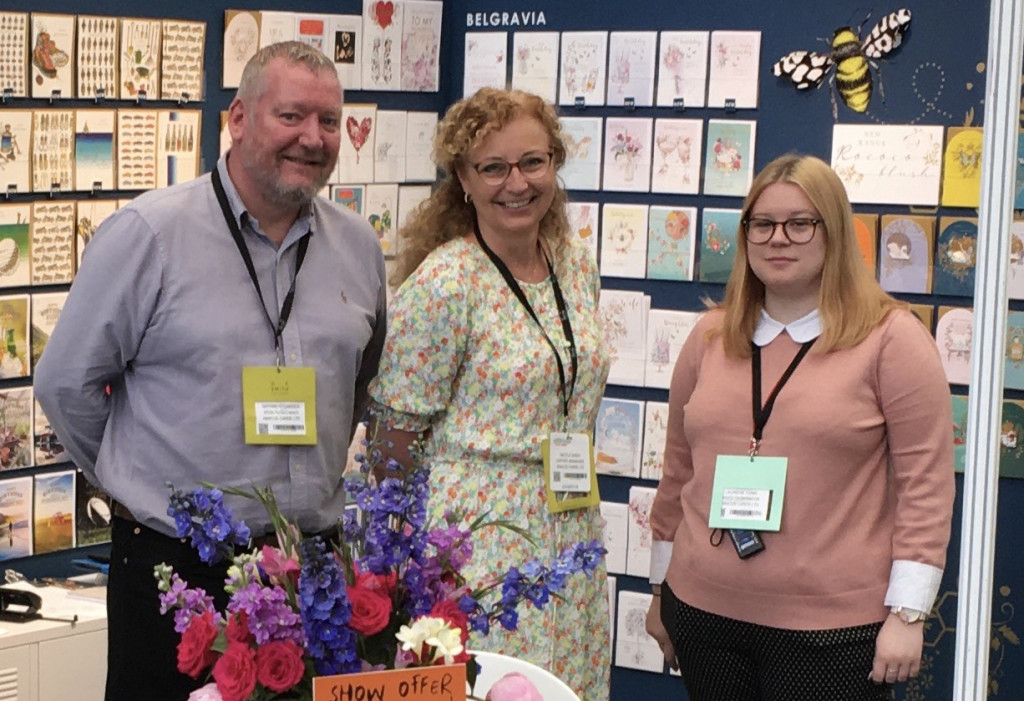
(575, 475)
(288, 428)
(738, 513)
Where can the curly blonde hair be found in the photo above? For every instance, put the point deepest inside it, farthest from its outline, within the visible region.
(446, 214)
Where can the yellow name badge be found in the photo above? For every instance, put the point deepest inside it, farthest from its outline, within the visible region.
(570, 479)
(279, 405)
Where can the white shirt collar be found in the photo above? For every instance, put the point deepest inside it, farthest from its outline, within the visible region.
(804, 329)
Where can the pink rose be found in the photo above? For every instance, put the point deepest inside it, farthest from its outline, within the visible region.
(279, 665)
(371, 611)
(206, 693)
(194, 648)
(235, 672)
(513, 687)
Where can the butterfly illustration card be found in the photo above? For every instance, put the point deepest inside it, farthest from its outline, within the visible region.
(1013, 374)
(382, 45)
(624, 240)
(97, 60)
(618, 433)
(355, 157)
(624, 324)
(421, 45)
(954, 333)
(683, 68)
(582, 71)
(485, 60)
(961, 172)
(583, 222)
(389, 147)
(139, 68)
(631, 58)
(865, 229)
(177, 146)
(627, 154)
(15, 353)
(16, 151)
(652, 462)
(419, 140)
(734, 69)
(718, 244)
(672, 233)
(888, 163)
(90, 214)
(343, 36)
(381, 210)
(241, 41)
(53, 241)
(729, 157)
(535, 63)
(667, 331)
(905, 253)
(582, 167)
(677, 149)
(955, 256)
(53, 51)
(14, 41)
(276, 27)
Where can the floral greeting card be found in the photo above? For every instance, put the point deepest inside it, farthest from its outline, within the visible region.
(582, 68)
(389, 147)
(718, 244)
(905, 253)
(729, 157)
(1013, 374)
(954, 333)
(638, 556)
(627, 154)
(535, 63)
(485, 60)
(355, 157)
(734, 71)
(624, 324)
(582, 167)
(624, 240)
(671, 240)
(382, 44)
(1011, 440)
(631, 68)
(421, 45)
(419, 140)
(634, 647)
(683, 68)
(652, 462)
(618, 433)
(677, 148)
(667, 331)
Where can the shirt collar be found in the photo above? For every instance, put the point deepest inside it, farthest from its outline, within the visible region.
(804, 329)
(305, 222)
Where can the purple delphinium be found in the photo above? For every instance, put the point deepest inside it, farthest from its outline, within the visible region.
(270, 617)
(326, 611)
(202, 516)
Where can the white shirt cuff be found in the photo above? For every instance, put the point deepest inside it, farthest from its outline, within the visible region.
(661, 554)
(912, 585)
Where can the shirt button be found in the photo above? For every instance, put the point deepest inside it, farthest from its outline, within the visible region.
(125, 560)
(137, 530)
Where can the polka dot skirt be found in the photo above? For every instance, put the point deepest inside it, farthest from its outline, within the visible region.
(722, 659)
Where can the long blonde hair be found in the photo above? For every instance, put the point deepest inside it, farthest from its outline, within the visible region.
(850, 302)
(446, 214)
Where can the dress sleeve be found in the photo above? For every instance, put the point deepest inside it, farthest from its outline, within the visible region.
(915, 400)
(428, 330)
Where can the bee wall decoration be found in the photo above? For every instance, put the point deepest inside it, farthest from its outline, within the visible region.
(851, 57)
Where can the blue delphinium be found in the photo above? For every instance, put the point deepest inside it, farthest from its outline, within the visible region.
(202, 516)
(326, 611)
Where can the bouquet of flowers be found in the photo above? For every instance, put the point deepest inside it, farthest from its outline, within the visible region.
(389, 596)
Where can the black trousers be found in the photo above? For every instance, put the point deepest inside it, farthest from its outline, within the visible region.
(722, 659)
(142, 643)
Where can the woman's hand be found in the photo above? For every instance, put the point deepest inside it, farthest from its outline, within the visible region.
(897, 651)
(656, 629)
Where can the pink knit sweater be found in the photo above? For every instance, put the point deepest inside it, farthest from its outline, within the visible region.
(868, 435)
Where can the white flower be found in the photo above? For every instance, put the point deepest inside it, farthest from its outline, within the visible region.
(434, 632)
(206, 693)
(447, 643)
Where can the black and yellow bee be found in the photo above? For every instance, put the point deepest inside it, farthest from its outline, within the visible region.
(851, 57)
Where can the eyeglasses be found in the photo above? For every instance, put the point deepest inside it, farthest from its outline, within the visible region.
(495, 171)
(799, 231)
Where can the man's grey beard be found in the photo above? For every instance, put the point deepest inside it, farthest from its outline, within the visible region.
(293, 196)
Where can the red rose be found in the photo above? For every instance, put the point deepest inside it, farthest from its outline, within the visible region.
(279, 665)
(238, 628)
(449, 610)
(370, 611)
(194, 648)
(383, 584)
(235, 672)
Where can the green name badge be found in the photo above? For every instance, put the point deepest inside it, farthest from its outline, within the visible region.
(747, 494)
(279, 405)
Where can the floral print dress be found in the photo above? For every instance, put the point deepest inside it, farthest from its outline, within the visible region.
(464, 359)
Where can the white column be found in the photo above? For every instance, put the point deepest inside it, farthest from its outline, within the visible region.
(981, 473)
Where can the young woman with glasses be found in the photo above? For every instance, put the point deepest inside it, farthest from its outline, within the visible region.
(493, 345)
(802, 520)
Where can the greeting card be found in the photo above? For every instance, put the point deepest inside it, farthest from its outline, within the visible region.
(312, 29)
(865, 229)
(1011, 440)
(409, 198)
(618, 433)
(582, 167)
(719, 229)
(667, 331)
(16, 150)
(1015, 283)
(735, 58)
(382, 45)
(344, 33)
(181, 60)
(53, 51)
(15, 353)
(652, 462)
(419, 140)
(905, 253)
(614, 535)
(54, 511)
(276, 27)
(381, 210)
(634, 647)
(535, 63)
(584, 56)
(421, 45)
(683, 68)
(485, 60)
(1013, 375)
(97, 59)
(671, 240)
(624, 324)
(961, 172)
(15, 234)
(349, 196)
(583, 222)
(631, 68)
(53, 150)
(139, 67)
(90, 214)
(677, 144)
(136, 149)
(14, 33)
(729, 157)
(93, 513)
(94, 149)
(954, 332)
(355, 157)
(48, 448)
(959, 402)
(624, 240)
(638, 556)
(15, 517)
(53, 242)
(955, 256)
(15, 428)
(627, 154)
(46, 308)
(389, 147)
(241, 42)
(888, 163)
(177, 146)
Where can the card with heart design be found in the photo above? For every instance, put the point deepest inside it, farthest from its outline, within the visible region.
(355, 157)
(382, 44)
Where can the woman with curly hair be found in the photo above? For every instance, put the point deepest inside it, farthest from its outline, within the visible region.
(493, 345)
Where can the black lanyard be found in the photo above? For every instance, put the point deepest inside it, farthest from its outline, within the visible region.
(566, 388)
(761, 413)
(236, 234)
